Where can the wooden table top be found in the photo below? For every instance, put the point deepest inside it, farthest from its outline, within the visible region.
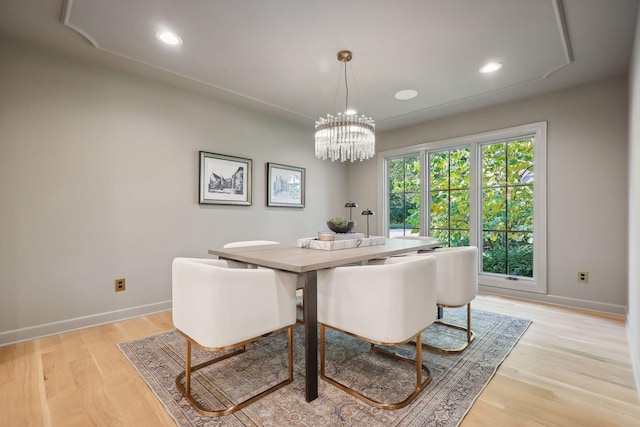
(289, 257)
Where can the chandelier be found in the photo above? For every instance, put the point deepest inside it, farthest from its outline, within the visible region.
(345, 135)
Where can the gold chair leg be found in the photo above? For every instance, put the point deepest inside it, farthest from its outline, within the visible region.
(470, 335)
(186, 389)
(420, 383)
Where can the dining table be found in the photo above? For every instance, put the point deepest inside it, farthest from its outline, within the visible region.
(307, 262)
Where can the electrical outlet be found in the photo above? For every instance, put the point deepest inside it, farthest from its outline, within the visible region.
(583, 277)
(121, 285)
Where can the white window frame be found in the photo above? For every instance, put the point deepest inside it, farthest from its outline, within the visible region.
(537, 284)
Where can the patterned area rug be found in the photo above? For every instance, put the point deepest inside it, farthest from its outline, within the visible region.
(457, 379)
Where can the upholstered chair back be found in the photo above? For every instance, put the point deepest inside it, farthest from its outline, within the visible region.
(386, 303)
(457, 275)
(245, 243)
(217, 306)
(426, 239)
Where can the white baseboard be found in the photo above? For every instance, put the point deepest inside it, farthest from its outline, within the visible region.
(53, 328)
(600, 307)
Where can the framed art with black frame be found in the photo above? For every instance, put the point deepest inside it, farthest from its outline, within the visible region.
(285, 186)
(225, 180)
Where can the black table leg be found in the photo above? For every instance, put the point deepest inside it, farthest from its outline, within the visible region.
(440, 313)
(310, 297)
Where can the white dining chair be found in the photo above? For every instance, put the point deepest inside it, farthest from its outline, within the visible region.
(385, 304)
(237, 264)
(220, 308)
(426, 239)
(246, 243)
(457, 279)
(457, 284)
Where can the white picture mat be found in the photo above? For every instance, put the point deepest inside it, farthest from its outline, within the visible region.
(225, 169)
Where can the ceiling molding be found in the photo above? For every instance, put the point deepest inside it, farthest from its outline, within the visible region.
(566, 42)
(66, 16)
(568, 53)
(67, 5)
(241, 54)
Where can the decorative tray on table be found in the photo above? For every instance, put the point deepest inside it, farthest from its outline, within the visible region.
(341, 241)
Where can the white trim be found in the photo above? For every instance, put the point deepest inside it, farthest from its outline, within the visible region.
(563, 34)
(461, 140)
(381, 221)
(537, 284)
(68, 325)
(383, 189)
(66, 20)
(561, 20)
(599, 307)
(424, 193)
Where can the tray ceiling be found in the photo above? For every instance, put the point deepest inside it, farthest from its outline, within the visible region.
(279, 56)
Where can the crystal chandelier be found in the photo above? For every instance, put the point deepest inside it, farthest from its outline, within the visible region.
(345, 135)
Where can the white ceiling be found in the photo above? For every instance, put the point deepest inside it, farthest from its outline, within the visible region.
(279, 56)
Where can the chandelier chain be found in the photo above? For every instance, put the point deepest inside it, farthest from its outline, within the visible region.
(346, 87)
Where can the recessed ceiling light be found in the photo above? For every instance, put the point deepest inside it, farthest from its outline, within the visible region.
(169, 38)
(406, 94)
(490, 67)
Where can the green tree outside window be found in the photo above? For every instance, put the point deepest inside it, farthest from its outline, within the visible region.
(404, 195)
(449, 190)
(507, 208)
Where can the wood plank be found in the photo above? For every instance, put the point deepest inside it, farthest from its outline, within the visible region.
(571, 368)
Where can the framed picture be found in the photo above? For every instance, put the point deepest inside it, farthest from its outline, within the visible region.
(285, 186)
(225, 180)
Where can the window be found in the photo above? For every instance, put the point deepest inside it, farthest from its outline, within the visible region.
(404, 195)
(486, 190)
(507, 208)
(449, 191)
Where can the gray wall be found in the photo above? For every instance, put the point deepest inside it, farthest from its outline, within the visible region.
(99, 180)
(586, 180)
(633, 314)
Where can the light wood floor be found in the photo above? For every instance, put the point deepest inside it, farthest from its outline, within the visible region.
(571, 368)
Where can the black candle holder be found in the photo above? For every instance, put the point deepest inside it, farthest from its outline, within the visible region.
(368, 212)
(350, 205)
